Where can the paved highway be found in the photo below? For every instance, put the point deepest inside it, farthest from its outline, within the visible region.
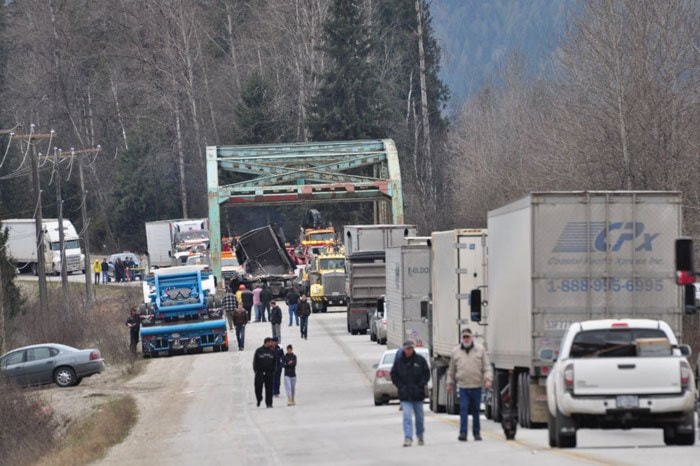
(200, 409)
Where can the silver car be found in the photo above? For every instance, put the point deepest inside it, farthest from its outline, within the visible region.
(50, 363)
(384, 389)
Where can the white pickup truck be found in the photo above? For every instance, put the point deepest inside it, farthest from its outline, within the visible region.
(621, 374)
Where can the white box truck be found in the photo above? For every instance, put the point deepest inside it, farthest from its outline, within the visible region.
(562, 257)
(407, 284)
(22, 245)
(458, 266)
(169, 241)
(365, 251)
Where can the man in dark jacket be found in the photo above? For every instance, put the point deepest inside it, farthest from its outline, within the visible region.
(410, 374)
(292, 300)
(276, 321)
(279, 360)
(266, 298)
(247, 300)
(240, 319)
(304, 311)
(264, 365)
(134, 324)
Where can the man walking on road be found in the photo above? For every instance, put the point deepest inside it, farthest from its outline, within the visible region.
(266, 298)
(410, 374)
(292, 300)
(276, 321)
(470, 369)
(304, 311)
(247, 299)
(279, 360)
(257, 305)
(230, 304)
(290, 375)
(264, 365)
(240, 319)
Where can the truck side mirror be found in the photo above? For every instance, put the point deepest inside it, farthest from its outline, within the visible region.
(689, 299)
(685, 263)
(424, 307)
(475, 305)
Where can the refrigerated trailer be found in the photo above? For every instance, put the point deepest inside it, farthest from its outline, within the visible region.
(562, 257)
(458, 266)
(407, 284)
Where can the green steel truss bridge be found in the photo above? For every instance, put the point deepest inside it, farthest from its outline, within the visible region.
(304, 173)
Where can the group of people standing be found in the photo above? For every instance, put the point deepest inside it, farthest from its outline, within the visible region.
(101, 270)
(269, 361)
(469, 371)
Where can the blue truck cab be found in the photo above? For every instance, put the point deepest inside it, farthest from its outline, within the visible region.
(181, 313)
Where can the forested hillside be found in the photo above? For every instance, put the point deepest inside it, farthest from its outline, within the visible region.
(477, 35)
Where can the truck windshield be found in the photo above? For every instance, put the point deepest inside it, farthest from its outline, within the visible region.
(619, 343)
(332, 264)
(68, 244)
(321, 236)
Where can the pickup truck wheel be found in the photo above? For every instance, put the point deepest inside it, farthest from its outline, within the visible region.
(552, 427)
(565, 440)
(674, 436)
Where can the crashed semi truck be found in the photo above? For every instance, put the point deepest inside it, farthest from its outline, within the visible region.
(265, 260)
(171, 242)
(180, 313)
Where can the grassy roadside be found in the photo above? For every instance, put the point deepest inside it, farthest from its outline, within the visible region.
(89, 439)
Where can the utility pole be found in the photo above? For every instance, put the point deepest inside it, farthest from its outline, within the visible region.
(61, 233)
(2, 315)
(89, 290)
(38, 218)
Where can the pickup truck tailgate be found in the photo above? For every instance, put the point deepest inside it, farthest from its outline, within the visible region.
(627, 376)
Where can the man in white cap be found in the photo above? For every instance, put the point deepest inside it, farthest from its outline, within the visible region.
(470, 369)
(410, 374)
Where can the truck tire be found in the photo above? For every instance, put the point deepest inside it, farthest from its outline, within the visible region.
(524, 400)
(435, 406)
(496, 396)
(224, 348)
(378, 402)
(35, 269)
(564, 440)
(674, 436)
(146, 355)
(325, 307)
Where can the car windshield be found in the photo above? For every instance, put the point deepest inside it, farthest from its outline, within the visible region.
(321, 236)
(619, 342)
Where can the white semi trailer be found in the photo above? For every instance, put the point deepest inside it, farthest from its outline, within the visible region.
(458, 266)
(563, 257)
(22, 245)
(169, 241)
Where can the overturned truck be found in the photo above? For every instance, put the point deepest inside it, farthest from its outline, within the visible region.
(265, 260)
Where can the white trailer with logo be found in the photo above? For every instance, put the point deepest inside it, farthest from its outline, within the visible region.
(407, 283)
(458, 266)
(562, 257)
